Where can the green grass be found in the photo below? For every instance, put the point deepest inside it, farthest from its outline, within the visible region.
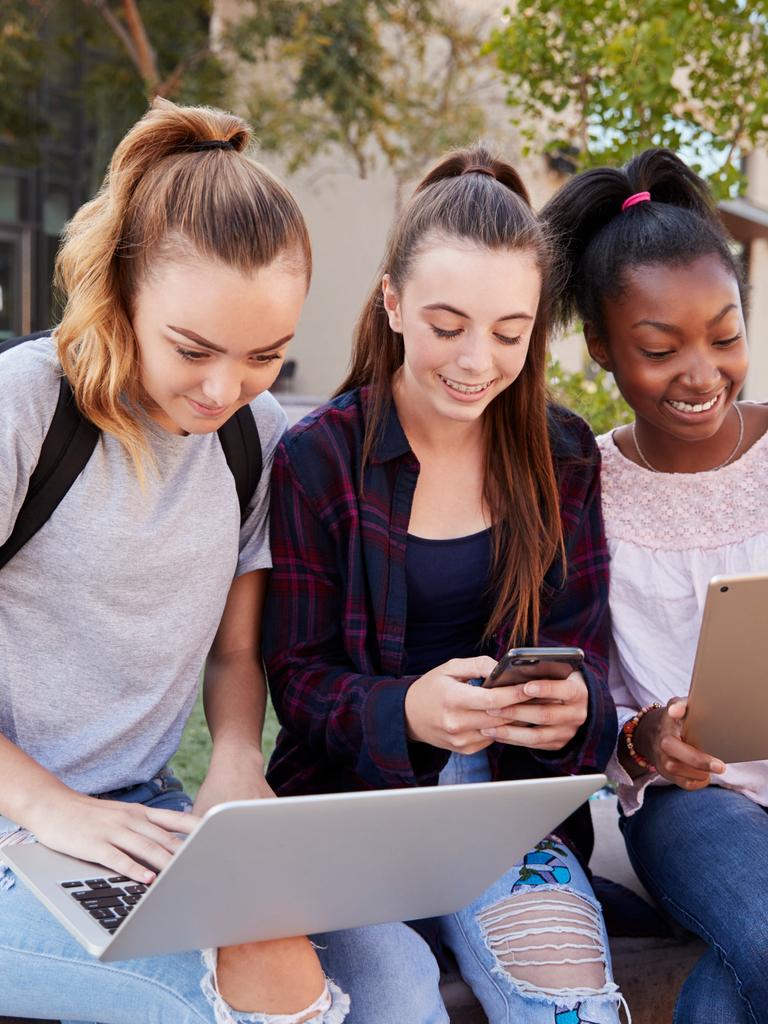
(191, 760)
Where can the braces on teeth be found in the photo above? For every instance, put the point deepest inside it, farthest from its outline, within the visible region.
(468, 389)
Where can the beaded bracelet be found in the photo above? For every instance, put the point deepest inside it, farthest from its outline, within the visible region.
(628, 729)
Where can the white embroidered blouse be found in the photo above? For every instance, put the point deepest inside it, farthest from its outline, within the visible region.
(668, 534)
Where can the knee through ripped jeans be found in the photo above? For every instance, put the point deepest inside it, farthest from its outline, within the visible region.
(533, 946)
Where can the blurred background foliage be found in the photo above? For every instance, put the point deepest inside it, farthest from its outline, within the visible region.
(111, 57)
(605, 78)
(590, 392)
(397, 82)
(389, 83)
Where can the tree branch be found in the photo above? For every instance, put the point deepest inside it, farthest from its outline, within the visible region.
(135, 40)
(146, 61)
(117, 27)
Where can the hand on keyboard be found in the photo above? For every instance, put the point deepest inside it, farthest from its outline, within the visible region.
(128, 839)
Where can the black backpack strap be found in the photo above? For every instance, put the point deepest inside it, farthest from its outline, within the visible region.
(241, 444)
(66, 449)
(70, 442)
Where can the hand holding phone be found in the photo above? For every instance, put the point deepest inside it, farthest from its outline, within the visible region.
(443, 710)
(551, 715)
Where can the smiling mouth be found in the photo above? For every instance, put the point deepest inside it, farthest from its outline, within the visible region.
(465, 389)
(697, 406)
(207, 409)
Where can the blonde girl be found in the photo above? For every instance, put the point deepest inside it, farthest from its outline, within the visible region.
(184, 278)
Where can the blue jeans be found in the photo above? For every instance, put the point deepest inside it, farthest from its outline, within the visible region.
(703, 855)
(545, 901)
(44, 972)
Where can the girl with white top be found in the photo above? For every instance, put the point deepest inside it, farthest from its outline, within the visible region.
(649, 270)
(185, 278)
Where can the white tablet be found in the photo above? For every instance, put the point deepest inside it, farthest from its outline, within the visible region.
(728, 701)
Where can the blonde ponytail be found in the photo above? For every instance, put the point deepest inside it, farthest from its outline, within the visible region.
(164, 187)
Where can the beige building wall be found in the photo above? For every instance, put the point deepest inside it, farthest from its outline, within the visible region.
(348, 220)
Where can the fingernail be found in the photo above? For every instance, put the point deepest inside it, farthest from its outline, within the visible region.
(148, 876)
(717, 766)
(492, 733)
(531, 689)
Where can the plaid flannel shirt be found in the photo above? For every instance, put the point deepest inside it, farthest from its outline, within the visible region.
(335, 613)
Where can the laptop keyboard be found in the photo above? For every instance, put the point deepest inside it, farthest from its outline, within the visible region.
(108, 900)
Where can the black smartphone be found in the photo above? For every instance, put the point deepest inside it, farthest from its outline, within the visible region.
(522, 664)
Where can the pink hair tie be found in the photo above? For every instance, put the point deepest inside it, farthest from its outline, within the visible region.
(638, 197)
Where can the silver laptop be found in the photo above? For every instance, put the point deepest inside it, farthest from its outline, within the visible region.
(265, 869)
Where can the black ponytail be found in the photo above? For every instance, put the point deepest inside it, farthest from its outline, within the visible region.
(597, 243)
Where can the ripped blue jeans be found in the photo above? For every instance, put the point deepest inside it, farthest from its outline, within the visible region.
(533, 948)
(45, 973)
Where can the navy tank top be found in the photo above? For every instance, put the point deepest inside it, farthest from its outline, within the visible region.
(448, 596)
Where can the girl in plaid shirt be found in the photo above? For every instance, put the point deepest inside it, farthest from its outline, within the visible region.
(436, 512)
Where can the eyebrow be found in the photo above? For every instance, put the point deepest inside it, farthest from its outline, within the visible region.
(458, 312)
(216, 348)
(672, 329)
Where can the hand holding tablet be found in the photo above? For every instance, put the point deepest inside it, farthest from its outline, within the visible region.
(658, 738)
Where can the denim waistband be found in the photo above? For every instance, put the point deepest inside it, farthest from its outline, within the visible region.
(162, 779)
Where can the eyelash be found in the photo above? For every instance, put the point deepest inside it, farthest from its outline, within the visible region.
(193, 356)
(454, 334)
(190, 355)
(723, 343)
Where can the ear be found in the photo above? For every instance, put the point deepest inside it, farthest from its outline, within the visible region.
(392, 304)
(597, 347)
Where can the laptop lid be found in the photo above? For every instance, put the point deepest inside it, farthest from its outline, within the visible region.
(266, 869)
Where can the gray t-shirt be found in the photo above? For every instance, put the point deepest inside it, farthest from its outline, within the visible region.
(108, 612)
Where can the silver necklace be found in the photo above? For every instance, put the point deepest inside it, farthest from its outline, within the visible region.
(736, 447)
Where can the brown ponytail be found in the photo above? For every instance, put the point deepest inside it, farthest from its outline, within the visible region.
(472, 196)
(164, 194)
